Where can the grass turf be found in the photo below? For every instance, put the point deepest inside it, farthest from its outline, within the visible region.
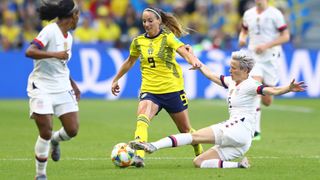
(289, 148)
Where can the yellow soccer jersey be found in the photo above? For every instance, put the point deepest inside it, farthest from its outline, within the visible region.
(160, 71)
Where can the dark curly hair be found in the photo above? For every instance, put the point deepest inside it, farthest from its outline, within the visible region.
(50, 9)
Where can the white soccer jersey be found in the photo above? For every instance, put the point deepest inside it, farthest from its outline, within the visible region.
(263, 28)
(51, 75)
(241, 99)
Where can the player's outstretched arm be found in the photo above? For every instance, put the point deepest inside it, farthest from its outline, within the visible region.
(126, 66)
(189, 56)
(292, 87)
(210, 75)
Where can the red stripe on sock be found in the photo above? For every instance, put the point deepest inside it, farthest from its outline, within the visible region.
(174, 141)
(220, 164)
(41, 159)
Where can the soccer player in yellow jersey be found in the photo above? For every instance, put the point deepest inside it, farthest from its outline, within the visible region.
(162, 80)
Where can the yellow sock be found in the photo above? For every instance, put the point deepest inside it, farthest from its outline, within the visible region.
(141, 132)
(198, 149)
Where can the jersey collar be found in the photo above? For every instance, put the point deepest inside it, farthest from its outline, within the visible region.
(145, 35)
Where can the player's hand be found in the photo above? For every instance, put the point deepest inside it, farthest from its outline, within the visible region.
(297, 87)
(62, 55)
(196, 65)
(260, 48)
(115, 88)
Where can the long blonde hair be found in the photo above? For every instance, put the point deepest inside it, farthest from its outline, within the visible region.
(169, 21)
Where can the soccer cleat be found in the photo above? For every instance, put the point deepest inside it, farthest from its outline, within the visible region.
(147, 147)
(257, 136)
(244, 163)
(41, 177)
(197, 149)
(138, 162)
(55, 150)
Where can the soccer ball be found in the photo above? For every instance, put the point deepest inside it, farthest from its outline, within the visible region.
(122, 155)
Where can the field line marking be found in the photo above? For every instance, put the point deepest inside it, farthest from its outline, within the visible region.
(164, 158)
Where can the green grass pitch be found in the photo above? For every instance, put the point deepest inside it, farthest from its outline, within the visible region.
(289, 148)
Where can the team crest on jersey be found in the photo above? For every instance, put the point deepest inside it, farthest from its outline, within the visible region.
(40, 104)
(65, 45)
(150, 50)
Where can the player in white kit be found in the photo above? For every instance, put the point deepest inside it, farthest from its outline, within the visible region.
(231, 138)
(51, 90)
(267, 30)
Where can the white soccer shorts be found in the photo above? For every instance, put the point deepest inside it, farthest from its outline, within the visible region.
(52, 103)
(232, 139)
(268, 70)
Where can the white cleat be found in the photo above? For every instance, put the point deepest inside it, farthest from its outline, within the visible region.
(244, 163)
(147, 147)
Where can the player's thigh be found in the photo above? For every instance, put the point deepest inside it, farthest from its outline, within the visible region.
(203, 136)
(231, 153)
(44, 124)
(148, 108)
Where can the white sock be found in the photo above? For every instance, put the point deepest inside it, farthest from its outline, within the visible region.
(60, 135)
(217, 163)
(173, 141)
(41, 150)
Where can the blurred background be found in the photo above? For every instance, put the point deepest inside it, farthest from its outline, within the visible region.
(106, 28)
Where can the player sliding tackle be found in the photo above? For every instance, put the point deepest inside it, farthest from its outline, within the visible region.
(231, 138)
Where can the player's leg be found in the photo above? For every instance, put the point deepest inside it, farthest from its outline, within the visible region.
(66, 108)
(181, 119)
(177, 107)
(257, 133)
(41, 111)
(42, 146)
(204, 135)
(212, 159)
(232, 140)
(146, 111)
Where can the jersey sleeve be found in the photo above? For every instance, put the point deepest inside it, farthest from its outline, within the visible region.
(225, 81)
(279, 20)
(244, 21)
(256, 87)
(43, 38)
(174, 42)
(134, 48)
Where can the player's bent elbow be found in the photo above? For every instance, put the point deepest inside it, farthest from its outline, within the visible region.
(267, 100)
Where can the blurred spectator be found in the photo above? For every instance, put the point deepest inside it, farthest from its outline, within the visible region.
(225, 25)
(131, 26)
(85, 32)
(29, 31)
(118, 21)
(10, 32)
(107, 29)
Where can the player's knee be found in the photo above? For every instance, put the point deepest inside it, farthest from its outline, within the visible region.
(72, 132)
(184, 129)
(197, 162)
(46, 134)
